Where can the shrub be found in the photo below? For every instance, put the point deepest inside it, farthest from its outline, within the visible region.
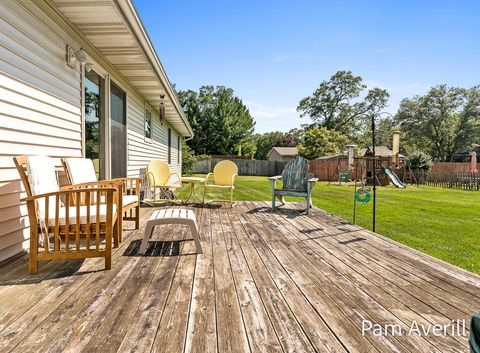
(320, 141)
(188, 159)
(420, 161)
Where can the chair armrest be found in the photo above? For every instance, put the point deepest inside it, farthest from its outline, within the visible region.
(80, 197)
(99, 184)
(138, 180)
(125, 181)
(153, 177)
(233, 178)
(176, 174)
(312, 180)
(69, 192)
(273, 181)
(90, 184)
(206, 178)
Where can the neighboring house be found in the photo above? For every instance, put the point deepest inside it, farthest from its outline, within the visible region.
(106, 109)
(282, 154)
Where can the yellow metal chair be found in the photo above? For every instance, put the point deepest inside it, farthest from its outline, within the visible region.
(224, 175)
(159, 176)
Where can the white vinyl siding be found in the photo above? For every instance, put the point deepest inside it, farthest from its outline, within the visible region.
(39, 108)
(140, 150)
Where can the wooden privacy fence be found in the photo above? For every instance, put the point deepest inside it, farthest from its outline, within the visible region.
(439, 167)
(249, 167)
(327, 169)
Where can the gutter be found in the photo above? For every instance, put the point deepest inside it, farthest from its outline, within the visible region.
(127, 8)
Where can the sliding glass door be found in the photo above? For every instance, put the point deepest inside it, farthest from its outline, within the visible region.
(95, 121)
(118, 131)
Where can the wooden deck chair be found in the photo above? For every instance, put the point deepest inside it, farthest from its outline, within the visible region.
(224, 174)
(297, 181)
(159, 177)
(82, 171)
(72, 222)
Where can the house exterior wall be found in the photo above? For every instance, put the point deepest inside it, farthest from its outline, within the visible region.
(288, 158)
(142, 150)
(41, 110)
(274, 156)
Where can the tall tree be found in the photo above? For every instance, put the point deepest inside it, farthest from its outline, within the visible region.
(286, 140)
(383, 134)
(320, 141)
(443, 122)
(220, 121)
(336, 104)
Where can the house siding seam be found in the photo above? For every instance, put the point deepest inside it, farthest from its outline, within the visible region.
(40, 111)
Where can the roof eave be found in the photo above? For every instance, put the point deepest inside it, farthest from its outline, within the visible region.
(131, 15)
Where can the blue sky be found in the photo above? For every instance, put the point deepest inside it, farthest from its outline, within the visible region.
(274, 53)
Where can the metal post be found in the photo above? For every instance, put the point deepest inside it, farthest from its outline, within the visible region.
(354, 203)
(374, 175)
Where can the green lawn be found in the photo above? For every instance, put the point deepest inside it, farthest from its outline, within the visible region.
(440, 222)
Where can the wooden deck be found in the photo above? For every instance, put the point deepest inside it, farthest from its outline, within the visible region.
(267, 282)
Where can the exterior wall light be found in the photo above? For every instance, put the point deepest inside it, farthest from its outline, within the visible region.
(74, 56)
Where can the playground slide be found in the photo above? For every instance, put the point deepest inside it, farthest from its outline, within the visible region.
(394, 178)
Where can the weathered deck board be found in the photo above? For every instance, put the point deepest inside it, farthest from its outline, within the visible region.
(267, 282)
(355, 282)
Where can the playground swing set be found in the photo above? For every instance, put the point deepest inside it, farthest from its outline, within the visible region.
(389, 167)
(374, 169)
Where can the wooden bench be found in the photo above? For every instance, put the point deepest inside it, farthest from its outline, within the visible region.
(171, 216)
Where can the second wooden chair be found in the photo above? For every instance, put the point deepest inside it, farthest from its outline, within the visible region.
(81, 171)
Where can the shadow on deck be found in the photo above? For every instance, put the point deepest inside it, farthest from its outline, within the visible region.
(267, 282)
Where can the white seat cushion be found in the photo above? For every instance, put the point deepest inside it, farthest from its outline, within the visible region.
(42, 175)
(129, 199)
(42, 178)
(72, 215)
(80, 170)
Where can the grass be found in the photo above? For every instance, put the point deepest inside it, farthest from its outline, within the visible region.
(443, 223)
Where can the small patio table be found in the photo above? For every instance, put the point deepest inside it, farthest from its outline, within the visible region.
(192, 181)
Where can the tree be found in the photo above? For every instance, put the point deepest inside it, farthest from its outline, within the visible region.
(220, 121)
(336, 105)
(420, 161)
(443, 122)
(286, 140)
(188, 160)
(320, 141)
(384, 128)
(265, 142)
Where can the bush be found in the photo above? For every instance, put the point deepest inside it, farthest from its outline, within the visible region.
(188, 159)
(320, 141)
(420, 161)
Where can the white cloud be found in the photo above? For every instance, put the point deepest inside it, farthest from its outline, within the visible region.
(267, 112)
(407, 89)
(270, 118)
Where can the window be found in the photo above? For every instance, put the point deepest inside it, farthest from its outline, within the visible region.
(95, 121)
(118, 130)
(178, 149)
(148, 124)
(169, 145)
